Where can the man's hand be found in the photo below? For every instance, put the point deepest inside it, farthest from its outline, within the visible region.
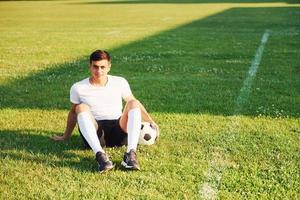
(71, 123)
(59, 138)
(155, 126)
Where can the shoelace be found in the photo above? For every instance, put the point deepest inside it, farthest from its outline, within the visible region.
(132, 155)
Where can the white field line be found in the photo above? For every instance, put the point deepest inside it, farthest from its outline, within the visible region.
(245, 90)
(219, 161)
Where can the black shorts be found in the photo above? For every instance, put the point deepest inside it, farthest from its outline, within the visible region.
(109, 133)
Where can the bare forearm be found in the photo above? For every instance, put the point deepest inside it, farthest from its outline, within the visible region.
(71, 123)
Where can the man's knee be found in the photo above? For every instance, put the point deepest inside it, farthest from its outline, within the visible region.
(133, 104)
(81, 108)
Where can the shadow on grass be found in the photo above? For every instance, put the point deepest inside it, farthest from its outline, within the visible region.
(36, 146)
(198, 67)
(31, 146)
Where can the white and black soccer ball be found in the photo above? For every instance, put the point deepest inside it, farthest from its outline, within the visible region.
(148, 134)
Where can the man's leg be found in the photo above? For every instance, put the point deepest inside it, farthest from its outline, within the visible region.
(130, 122)
(88, 128)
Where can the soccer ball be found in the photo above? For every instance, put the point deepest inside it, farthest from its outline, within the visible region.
(148, 134)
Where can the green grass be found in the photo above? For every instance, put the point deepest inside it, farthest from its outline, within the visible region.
(187, 64)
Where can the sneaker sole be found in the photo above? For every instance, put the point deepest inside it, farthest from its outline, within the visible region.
(129, 167)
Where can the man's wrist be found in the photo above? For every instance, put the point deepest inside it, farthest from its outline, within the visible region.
(66, 136)
(150, 120)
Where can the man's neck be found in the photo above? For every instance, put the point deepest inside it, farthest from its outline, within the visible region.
(101, 81)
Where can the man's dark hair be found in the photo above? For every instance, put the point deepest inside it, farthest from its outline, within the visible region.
(99, 55)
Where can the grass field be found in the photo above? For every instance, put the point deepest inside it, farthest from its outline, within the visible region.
(223, 135)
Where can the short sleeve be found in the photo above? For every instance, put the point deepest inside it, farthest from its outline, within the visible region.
(74, 96)
(126, 91)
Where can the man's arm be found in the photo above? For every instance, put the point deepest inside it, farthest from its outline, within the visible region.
(145, 115)
(71, 123)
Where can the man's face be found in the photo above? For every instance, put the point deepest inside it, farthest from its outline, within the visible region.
(99, 68)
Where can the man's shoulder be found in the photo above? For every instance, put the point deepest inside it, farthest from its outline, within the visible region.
(117, 78)
(81, 83)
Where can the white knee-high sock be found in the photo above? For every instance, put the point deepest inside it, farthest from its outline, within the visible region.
(89, 131)
(133, 128)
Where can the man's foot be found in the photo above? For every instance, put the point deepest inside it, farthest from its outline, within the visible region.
(104, 164)
(130, 161)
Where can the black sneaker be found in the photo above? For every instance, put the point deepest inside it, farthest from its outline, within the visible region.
(104, 164)
(130, 161)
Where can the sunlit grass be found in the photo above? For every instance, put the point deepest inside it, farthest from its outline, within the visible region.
(173, 168)
(186, 63)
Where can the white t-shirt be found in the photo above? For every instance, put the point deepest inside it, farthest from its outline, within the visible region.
(105, 102)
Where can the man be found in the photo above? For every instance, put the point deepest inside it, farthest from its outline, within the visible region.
(97, 108)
